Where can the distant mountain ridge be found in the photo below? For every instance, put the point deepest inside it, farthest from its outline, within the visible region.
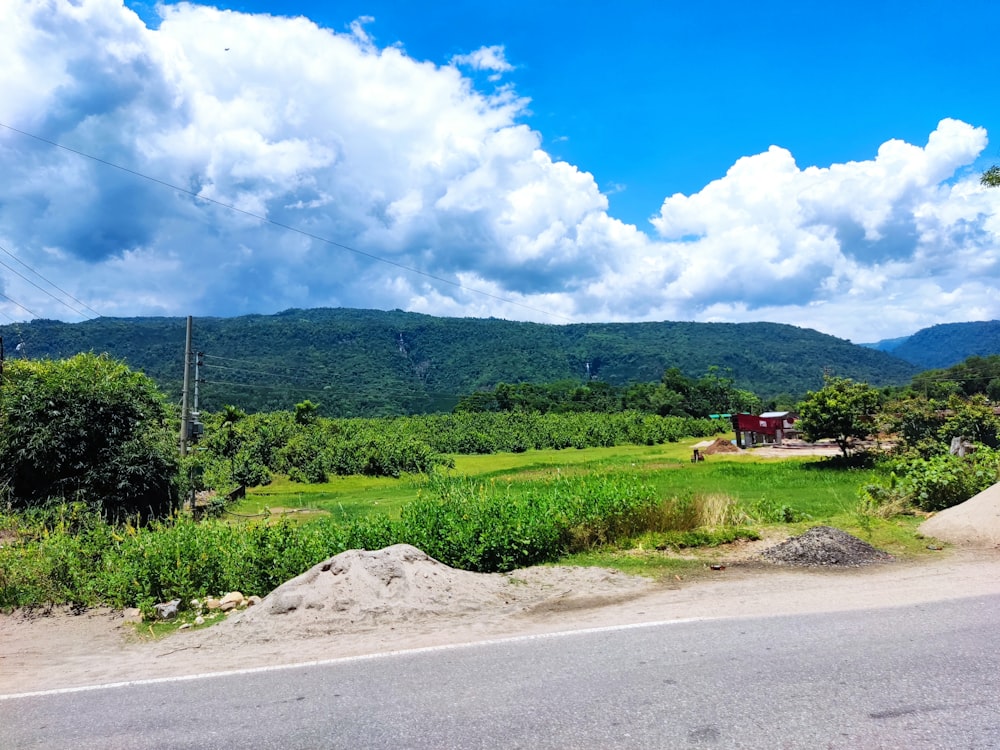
(945, 345)
(373, 362)
(887, 345)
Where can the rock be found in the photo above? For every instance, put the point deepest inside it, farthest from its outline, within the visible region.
(227, 606)
(212, 603)
(233, 596)
(185, 626)
(167, 610)
(131, 615)
(199, 620)
(253, 600)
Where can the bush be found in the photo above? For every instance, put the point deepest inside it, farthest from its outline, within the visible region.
(88, 429)
(931, 484)
(484, 527)
(945, 480)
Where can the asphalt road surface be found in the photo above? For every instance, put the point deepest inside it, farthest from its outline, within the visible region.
(924, 676)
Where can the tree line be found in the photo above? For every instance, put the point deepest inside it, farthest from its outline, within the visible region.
(89, 428)
(675, 395)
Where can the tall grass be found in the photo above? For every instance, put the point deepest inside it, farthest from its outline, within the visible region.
(484, 524)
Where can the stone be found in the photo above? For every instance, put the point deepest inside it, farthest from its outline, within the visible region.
(167, 610)
(199, 620)
(132, 615)
(227, 606)
(253, 600)
(212, 604)
(233, 596)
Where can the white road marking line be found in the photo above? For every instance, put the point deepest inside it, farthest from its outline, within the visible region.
(348, 659)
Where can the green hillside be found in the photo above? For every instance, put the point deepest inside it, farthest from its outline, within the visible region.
(950, 343)
(369, 362)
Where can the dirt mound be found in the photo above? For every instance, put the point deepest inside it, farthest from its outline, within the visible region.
(974, 523)
(358, 590)
(824, 545)
(720, 445)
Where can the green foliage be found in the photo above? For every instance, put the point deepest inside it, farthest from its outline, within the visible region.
(929, 482)
(69, 554)
(975, 375)
(915, 421)
(991, 177)
(944, 345)
(488, 527)
(675, 395)
(925, 427)
(375, 363)
(126, 565)
(944, 480)
(972, 419)
(87, 428)
(842, 410)
(241, 451)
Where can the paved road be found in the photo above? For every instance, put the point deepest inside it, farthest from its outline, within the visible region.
(923, 676)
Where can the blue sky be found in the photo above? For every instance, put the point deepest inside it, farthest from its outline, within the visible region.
(552, 161)
(655, 98)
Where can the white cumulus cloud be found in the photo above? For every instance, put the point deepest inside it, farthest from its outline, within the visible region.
(492, 58)
(428, 178)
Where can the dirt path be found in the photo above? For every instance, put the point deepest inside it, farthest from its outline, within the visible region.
(66, 650)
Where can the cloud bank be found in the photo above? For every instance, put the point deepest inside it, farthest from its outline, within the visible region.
(411, 163)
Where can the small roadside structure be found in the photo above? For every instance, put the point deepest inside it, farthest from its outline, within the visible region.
(771, 427)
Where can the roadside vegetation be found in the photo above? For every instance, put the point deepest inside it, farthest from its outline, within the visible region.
(485, 491)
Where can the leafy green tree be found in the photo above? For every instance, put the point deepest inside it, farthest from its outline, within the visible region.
(306, 412)
(993, 390)
(915, 420)
(654, 398)
(86, 428)
(991, 177)
(841, 410)
(972, 419)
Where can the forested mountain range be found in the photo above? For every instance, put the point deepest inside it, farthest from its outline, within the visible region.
(946, 344)
(950, 343)
(370, 362)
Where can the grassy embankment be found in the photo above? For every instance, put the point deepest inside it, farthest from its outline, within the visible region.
(633, 508)
(776, 496)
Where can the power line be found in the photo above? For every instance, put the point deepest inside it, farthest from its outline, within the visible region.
(44, 291)
(50, 282)
(33, 315)
(282, 225)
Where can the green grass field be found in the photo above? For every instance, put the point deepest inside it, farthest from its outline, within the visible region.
(811, 489)
(806, 485)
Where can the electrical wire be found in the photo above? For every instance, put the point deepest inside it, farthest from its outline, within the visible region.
(44, 291)
(51, 283)
(33, 315)
(281, 225)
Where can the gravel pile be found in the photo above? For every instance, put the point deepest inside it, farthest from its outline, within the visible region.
(823, 545)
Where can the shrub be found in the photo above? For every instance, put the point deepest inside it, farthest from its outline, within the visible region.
(89, 429)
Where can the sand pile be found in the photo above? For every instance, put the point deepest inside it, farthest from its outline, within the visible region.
(720, 445)
(824, 545)
(974, 523)
(358, 590)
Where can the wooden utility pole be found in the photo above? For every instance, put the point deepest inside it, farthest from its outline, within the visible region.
(185, 410)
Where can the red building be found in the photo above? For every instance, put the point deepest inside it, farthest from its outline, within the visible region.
(769, 427)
